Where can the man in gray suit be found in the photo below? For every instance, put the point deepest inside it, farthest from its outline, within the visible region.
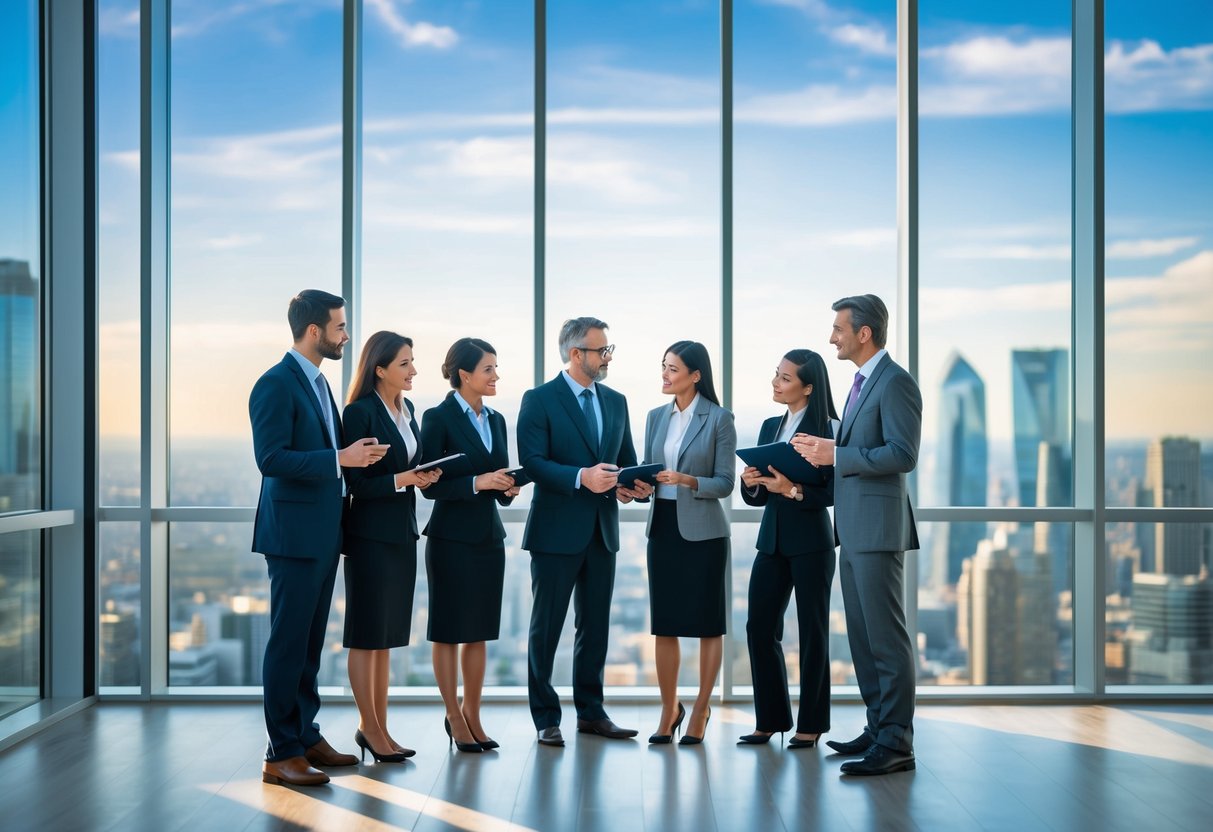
(876, 446)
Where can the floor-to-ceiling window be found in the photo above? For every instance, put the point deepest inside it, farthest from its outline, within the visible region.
(21, 449)
(632, 223)
(1158, 336)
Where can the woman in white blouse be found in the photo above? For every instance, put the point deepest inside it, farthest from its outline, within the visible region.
(694, 439)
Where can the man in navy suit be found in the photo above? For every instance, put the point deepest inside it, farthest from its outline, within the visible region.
(297, 443)
(877, 447)
(573, 436)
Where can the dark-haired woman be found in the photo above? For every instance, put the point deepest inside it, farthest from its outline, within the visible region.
(465, 549)
(795, 552)
(381, 533)
(694, 438)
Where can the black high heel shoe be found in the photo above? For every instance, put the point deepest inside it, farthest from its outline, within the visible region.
(794, 742)
(470, 747)
(666, 739)
(691, 739)
(361, 741)
(759, 739)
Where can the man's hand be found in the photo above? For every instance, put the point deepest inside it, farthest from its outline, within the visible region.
(362, 453)
(640, 490)
(495, 481)
(815, 449)
(601, 478)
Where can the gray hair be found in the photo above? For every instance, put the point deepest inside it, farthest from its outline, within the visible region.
(573, 332)
(869, 311)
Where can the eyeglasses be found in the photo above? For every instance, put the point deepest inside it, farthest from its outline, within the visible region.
(603, 352)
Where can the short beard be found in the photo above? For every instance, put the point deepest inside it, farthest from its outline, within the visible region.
(329, 349)
(590, 374)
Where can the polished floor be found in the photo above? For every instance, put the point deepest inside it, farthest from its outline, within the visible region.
(197, 767)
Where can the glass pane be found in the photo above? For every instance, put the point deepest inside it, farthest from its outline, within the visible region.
(1007, 618)
(448, 188)
(20, 259)
(20, 619)
(118, 353)
(815, 185)
(1159, 604)
(1159, 254)
(633, 182)
(121, 606)
(256, 217)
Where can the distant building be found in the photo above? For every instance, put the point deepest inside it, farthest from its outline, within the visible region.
(962, 465)
(1171, 640)
(1173, 481)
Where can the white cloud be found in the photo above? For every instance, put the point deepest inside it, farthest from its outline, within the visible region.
(819, 105)
(412, 35)
(231, 241)
(1146, 77)
(871, 39)
(463, 223)
(112, 22)
(941, 304)
(1017, 251)
(997, 56)
(1129, 249)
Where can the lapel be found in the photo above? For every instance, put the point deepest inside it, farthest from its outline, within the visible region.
(309, 391)
(868, 386)
(388, 429)
(463, 427)
(564, 394)
(698, 419)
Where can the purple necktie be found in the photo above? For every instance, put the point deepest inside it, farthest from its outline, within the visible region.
(854, 393)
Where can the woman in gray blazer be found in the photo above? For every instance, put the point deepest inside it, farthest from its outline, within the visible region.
(694, 438)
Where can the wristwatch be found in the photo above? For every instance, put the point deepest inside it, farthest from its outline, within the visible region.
(795, 494)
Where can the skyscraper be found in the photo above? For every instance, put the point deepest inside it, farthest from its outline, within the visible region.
(1173, 481)
(19, 386)
(1171, 641)
(1040, 402)
(961, 472)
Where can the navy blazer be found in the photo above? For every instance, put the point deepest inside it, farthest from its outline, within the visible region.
(299, 509)
(377, 510)
(553, 443)
(459, 514)
(794, 527)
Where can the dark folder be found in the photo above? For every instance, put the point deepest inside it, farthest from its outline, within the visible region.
(520, 476)
(783, 458)
(646, 473)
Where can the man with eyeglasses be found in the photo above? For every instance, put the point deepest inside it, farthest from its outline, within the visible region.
(573, 437)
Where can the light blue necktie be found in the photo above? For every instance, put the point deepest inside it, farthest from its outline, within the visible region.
(326, 408)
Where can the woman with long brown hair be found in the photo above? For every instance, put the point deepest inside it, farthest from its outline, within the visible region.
(381, 533)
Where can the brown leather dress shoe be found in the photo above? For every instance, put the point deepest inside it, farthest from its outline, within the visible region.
(293, 771)
(323, 754)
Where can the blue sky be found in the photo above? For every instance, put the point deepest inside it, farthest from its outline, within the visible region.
(633, 198)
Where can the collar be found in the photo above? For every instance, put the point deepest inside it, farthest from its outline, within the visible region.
(467, 408)
(691, 408)
(309, 369)
(576, 387)
(869, 366)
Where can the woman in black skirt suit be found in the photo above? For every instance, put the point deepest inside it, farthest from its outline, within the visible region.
(795, 551)
(694, 438)
(465, 549)
(381, 532)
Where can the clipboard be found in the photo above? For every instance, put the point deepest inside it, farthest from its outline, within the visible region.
(783, 458)
(644, 473)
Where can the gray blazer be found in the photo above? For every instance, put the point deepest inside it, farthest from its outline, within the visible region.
(707, 451)
(877, 447)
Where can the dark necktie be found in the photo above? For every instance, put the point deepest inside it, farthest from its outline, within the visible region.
(322, 389)
(591, 418)
(855, 388)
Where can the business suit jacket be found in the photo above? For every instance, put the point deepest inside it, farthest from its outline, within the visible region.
(877, 446)
(300, 506)
(554, 441)
(377, 510)
(706, 453)
(794, 527)
(459, 514)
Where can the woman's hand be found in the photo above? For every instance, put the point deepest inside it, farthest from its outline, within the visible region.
(752, 477)
(420, 479)
(513, 492)
(776, 483)
(497, 480)
(674, 478)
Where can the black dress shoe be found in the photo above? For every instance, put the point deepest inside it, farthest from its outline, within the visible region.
(551, 736)
(604, 728)
(880, 760)
(855, 747)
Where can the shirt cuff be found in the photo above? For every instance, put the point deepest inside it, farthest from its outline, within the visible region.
(577, 481)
